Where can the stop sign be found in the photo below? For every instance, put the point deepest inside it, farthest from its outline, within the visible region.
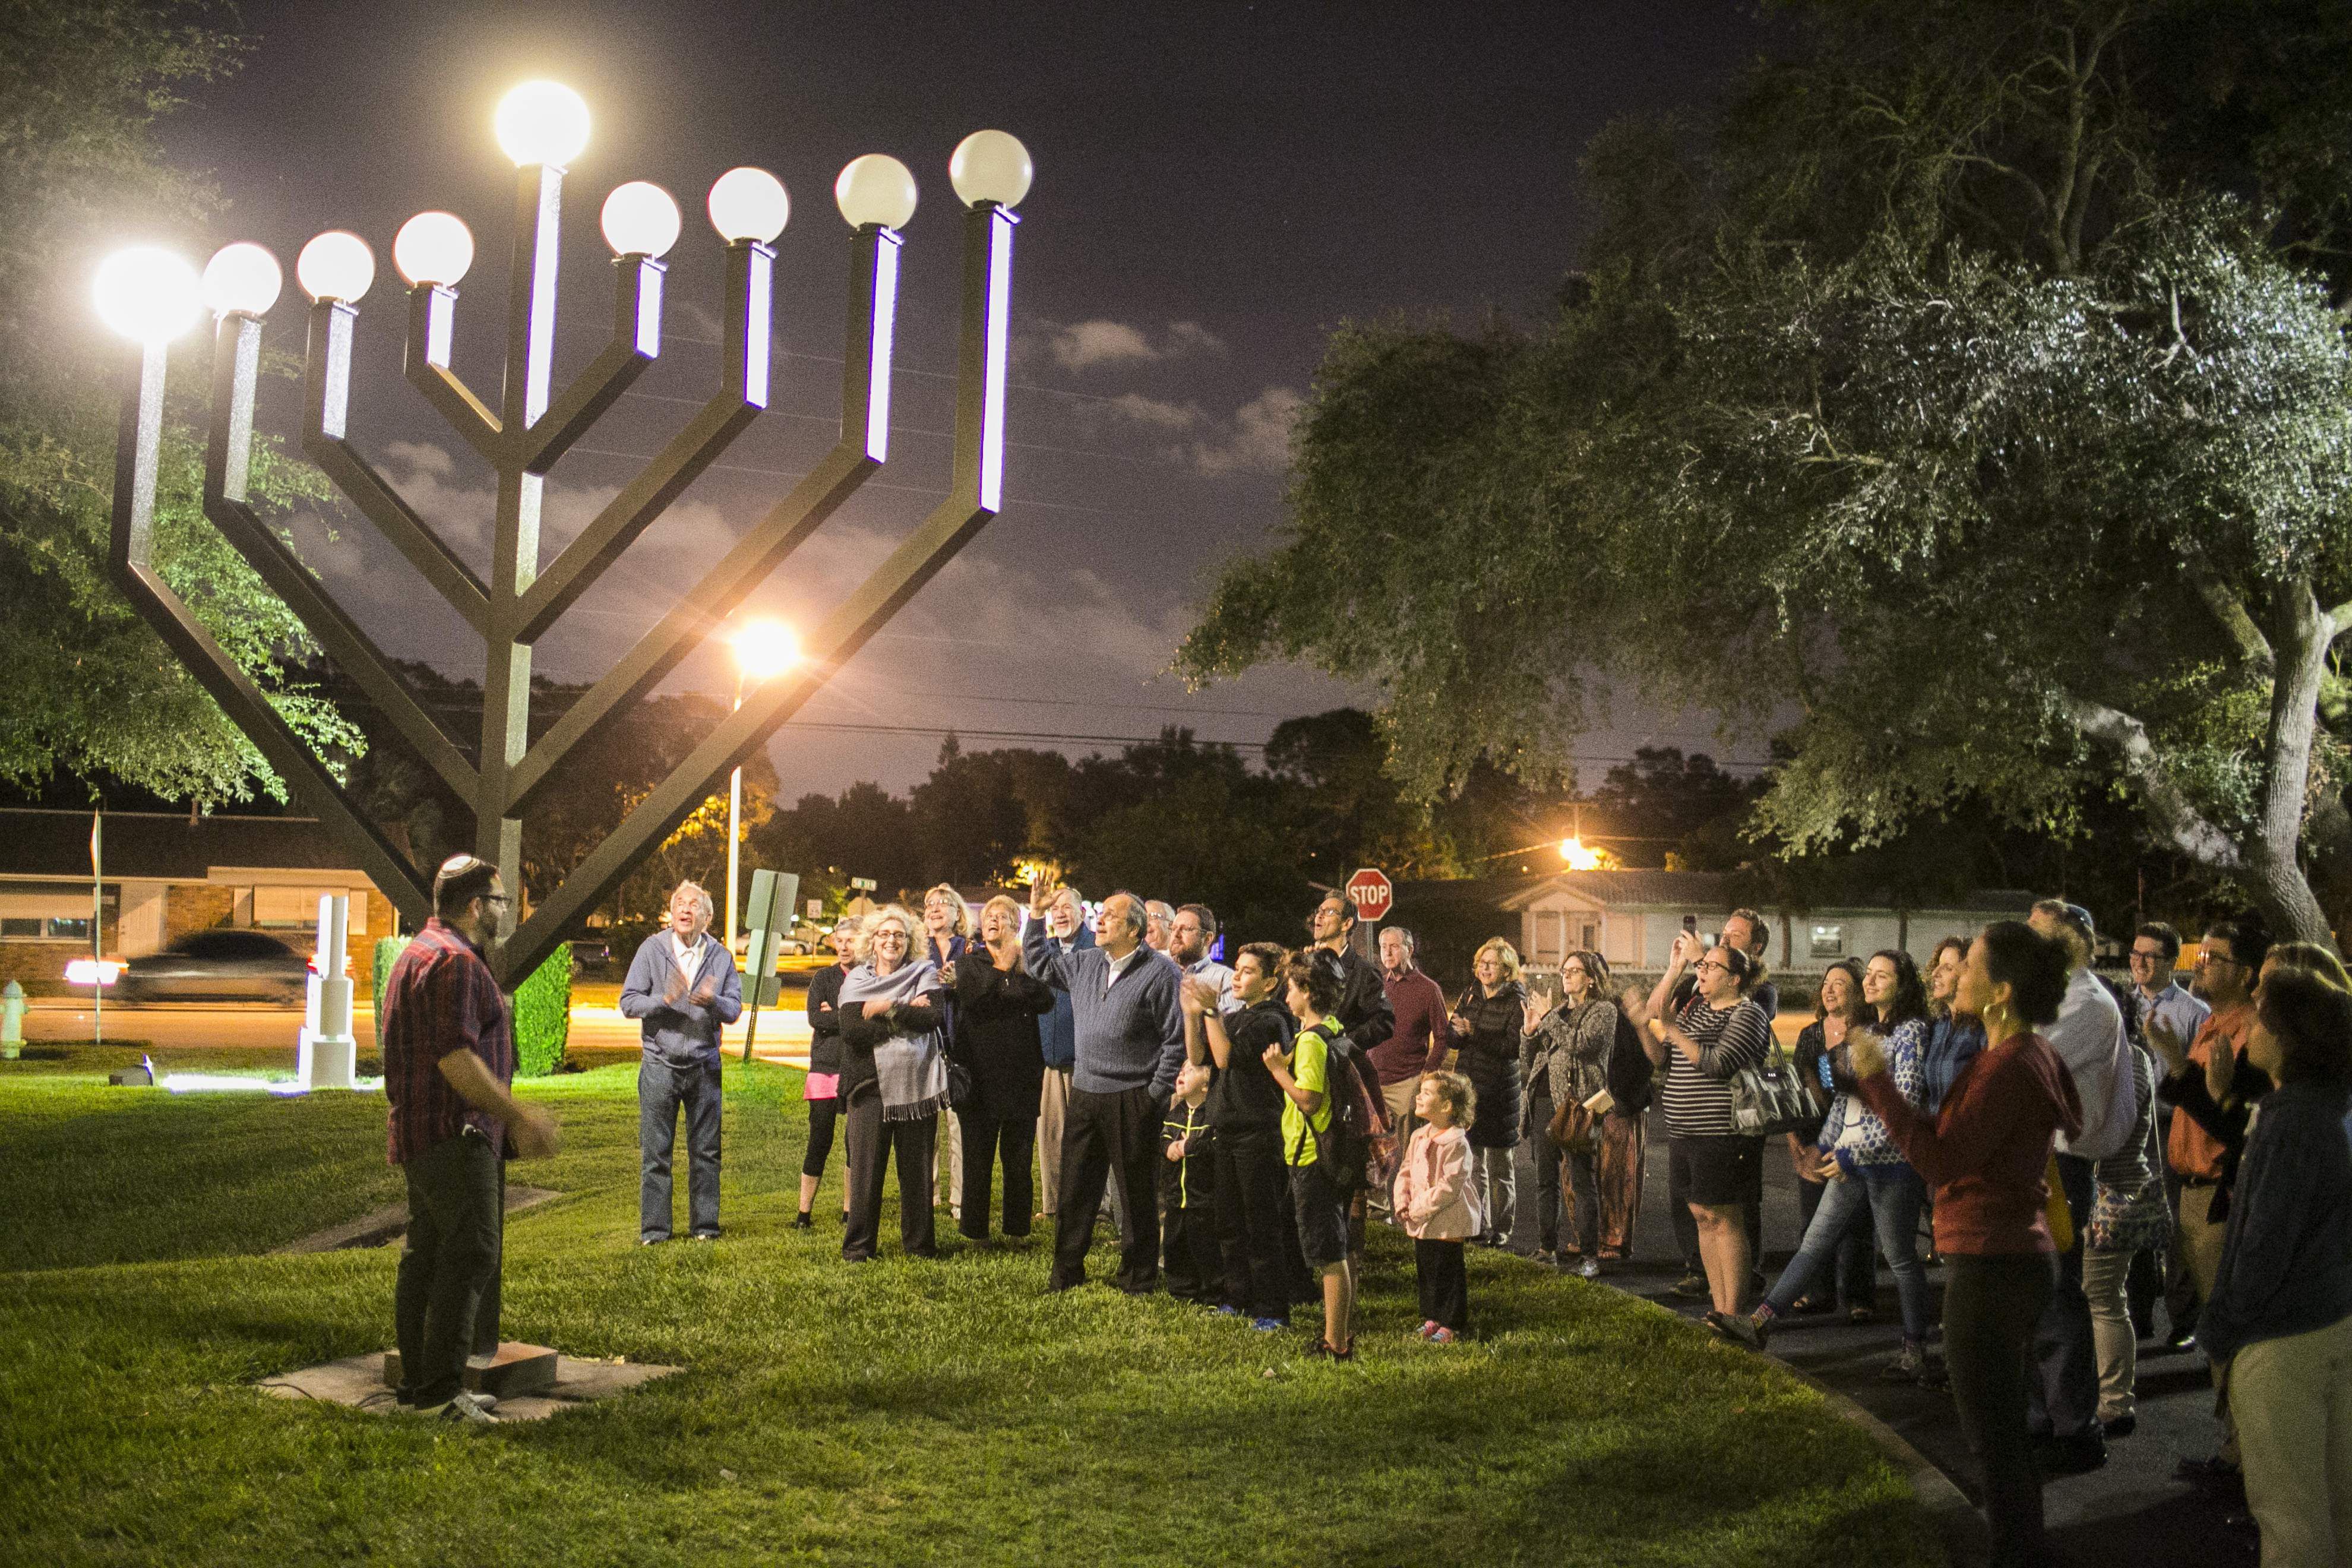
(1372, 891)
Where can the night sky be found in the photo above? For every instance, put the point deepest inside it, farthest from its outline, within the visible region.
(1217, 186)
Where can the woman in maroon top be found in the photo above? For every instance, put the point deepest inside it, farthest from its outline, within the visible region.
(1986, 1154)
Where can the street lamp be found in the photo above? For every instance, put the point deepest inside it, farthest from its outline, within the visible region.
(764, 649)
(522, 433)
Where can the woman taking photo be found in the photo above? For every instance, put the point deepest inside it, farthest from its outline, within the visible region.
(2280, 1319)
(822, 1090)
(894, 1081)
(1567, 1056)
(1718, 1032)
(1847, 1279)
(997, 1006)
(1987, 1158)
(1867, 1174)
(1486, 1028)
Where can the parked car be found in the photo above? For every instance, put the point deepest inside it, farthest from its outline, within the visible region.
(218, 966)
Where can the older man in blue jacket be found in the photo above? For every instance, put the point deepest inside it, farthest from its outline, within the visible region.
(682, 984)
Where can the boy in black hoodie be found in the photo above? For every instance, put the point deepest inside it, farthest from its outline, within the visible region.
(1188, 1199)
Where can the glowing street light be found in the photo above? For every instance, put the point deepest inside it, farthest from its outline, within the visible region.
(1578, 857)
(764, 650)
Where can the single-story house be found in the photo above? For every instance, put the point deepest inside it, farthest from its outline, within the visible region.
(167, 874)
(1631, 917)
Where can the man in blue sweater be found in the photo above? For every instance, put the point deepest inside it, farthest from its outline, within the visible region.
(1129, 1039)
(684, 985)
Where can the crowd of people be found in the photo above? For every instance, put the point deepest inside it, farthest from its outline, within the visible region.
(2080, 1148)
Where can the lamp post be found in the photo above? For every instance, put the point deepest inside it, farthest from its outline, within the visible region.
(763, 649)
(542, 126)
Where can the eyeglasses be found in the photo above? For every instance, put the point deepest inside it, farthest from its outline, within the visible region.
(2153, 957)
(1714, 963)
(2206, 960)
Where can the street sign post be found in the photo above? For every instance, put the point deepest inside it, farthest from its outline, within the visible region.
(770, 915)
(1373, 893)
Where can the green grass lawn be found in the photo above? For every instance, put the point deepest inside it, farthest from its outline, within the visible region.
(902, 1412)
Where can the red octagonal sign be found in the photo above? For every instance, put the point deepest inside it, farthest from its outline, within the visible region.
(1373, 893)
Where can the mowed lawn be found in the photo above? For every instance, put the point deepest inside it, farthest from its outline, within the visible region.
(901, 1412)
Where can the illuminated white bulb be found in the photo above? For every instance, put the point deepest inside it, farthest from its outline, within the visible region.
(749, 203)
(242, 277)
(433, 247)
(991, 166)
(640, 219)
(876, 188)
(148, 294)
(542, 122)
(337, 265)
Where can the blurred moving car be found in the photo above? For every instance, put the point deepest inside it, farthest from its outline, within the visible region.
(218, 966)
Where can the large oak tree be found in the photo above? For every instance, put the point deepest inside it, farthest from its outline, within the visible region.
(1976, 386)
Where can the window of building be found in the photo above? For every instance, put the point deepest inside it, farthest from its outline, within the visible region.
(1590, 941)
(64, 930)
(21, 926)
(1551, 929)
(1829, 942)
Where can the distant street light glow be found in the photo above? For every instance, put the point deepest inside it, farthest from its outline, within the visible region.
(1578, 857)
(764, 649)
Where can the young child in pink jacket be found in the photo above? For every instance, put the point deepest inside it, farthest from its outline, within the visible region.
(1439, 1203)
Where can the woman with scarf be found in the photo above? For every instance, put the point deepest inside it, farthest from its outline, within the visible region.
(894, 1082)
(1566, 1055)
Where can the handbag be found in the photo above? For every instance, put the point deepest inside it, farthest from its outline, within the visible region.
(1570, 1126)
(962, 1088)
(1769, 1099)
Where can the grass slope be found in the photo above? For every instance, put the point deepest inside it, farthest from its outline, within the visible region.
(901, 1412)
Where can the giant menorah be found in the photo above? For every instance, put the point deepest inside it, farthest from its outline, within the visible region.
(152, 297)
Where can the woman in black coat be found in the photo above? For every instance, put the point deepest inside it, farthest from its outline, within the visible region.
(1486, 1027)
(997, 1007)
(822, 1087)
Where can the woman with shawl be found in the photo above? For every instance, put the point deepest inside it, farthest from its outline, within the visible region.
(894, 1082)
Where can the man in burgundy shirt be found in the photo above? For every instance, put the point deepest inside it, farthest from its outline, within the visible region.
(447, 1035)
(1421, 1037)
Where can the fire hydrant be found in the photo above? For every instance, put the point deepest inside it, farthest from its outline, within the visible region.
(12, 1021)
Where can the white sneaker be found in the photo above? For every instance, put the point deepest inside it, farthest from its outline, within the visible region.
(465, 1409)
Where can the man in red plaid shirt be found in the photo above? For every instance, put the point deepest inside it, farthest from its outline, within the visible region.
(448, 1062)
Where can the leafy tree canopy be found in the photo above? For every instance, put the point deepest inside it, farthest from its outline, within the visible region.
(1976, 386)
(93, 691)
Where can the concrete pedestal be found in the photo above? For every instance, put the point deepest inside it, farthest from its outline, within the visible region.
(517, 1369)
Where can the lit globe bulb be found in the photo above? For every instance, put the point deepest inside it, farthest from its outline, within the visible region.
(749, 203)
(875, 188)
(242, 277)
(764, 649)
(640, 219)
(433, 247)
(542, 122)
(337, 265)
(991, 166)
(148, 294)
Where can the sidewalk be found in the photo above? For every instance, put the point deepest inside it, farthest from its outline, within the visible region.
(2129, 1514)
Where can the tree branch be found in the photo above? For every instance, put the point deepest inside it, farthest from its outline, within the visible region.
(2229, 610)
(2191, 832)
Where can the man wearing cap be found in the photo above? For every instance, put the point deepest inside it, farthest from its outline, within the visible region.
(2063, 1401)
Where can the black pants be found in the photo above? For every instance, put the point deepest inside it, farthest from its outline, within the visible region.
(1444, 1282)
(1548, 1157)
(2063, 1399)
(871, 1144)
(1992, 1305)
(1686, 1223)
(446, 1298)
(988, 1137)
(821, 1114)
(1106, 1138)
(1255, 1233)
(663, 1092)
(1853, 1276)
(1189, 1251)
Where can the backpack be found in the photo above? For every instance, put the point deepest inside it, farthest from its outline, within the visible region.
(1357, 1147)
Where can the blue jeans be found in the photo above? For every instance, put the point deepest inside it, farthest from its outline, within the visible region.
(663, 1091)
(1894, 1194)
